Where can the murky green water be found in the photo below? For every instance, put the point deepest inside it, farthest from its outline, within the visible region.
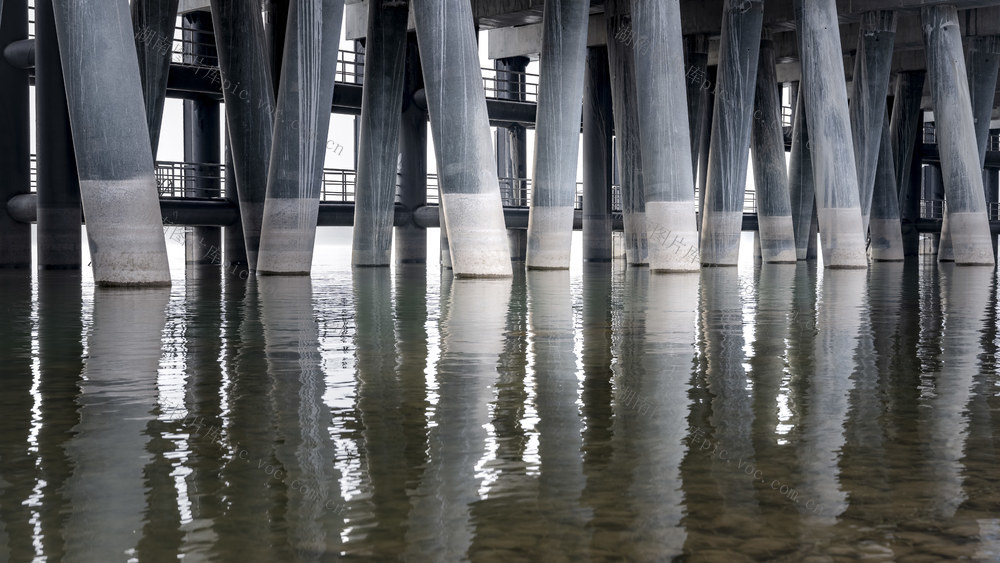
(781, 413)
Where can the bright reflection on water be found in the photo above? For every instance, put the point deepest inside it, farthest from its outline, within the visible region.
(776, 413)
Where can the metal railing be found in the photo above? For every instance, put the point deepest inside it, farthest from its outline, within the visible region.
(187, 179)
(932, 208)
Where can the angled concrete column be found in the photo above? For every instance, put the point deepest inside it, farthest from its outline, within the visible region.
(378, 144)
(801, 187)
(557, 134)
(671, 228)
(598, 123)
(301, 126)
(835, 174)
(904, 128)
(868, 92)
(621, 57)
(776, 232)
(982, 65)
(153, 25)
(956, 135)
(460, 127)
(275, 14)
(722, 222)
(696, 81)
(247, 89)
(58, 232)
(15, 252)
(445, 247)
(886, 234)
(512, 149)
(234, 245)
(704, 147)
(111, 138)
(410, 239)
(202, 245)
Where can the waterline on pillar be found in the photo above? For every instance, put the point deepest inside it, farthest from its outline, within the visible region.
(550, 234)
(672, 236)
(776, 246)
(477, 235)
(970, 239)
(887, 240)
(287, 247)
(720, 238)
(636, 249)
(842, 243)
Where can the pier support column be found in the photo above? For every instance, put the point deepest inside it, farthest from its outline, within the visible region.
(868, 89)
(727, 162)
(598, 122)
(621, 58)
(247, 90)
(904, 130)
(235, 246)
(707, 109)
(111, 139)
(557, 134)
(696, 82)
(378, 143)
(774, 209)
(886, 233)
(982, 65)
(411, 240)
(201, 142)
(801, 187)
(301, 126)
(835, 174)
(512, 149)
(956, 135)
(15, 165)
(456, 101)
(59, 238)
(671, 228)
(153, 23)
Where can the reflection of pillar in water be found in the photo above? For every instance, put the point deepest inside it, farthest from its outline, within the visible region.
(840, 315)
(767, 365)
(473, 315)
(110, 447)
(302, 420)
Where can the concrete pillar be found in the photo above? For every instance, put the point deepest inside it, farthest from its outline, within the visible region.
(801, 187)
(992, 184)
(15, 165)
(557, 134)
(460, 127)
(982, 65)
(247, 90)
(956, 135)
(886, 234)
(445, 246)
(708, 109)
(621, 57)
(776, 232)
(868, 91)
(598, 125)
(59, 214)
(111, 138)
(234, 245)
(411, 240)
(275, 14)
(671, 228)
(835, 174)
(696, 80)
(512, 149)
(722, 222)
(301, 125)
(378, 145)
(904, 129)
(793, 97)
(202, 245)
(153, 25)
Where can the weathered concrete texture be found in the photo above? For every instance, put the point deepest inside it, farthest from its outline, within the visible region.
(15, 252)
(697, 84)
(705, 144)
(774, 209)
(557, 134)
(456, 102)
(621, 57)
(378, 146)
(247, 89)
(837, 200)
(904, 129)
(668, 181)
(111, 139)
(598, 124)
(871, 81)
(956, 135)
(59, 211)
(410, 239)
(512, 149)
(445, 253)
(722, 222)
(153, 25)
(302, 122)
(884, 228)
(982, 65)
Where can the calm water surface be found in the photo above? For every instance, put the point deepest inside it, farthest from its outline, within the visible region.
(779, 413)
